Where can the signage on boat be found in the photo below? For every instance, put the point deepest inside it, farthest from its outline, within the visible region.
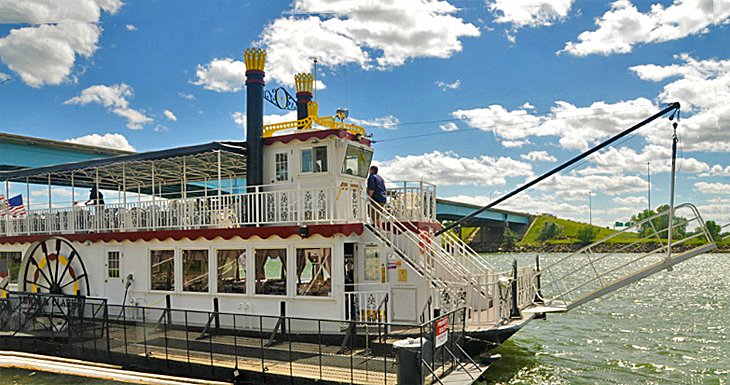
(442, 331)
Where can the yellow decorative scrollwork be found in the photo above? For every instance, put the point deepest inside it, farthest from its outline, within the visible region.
(313, 118)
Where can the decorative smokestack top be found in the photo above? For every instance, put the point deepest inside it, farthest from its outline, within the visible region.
(255, 59)
(304, 82)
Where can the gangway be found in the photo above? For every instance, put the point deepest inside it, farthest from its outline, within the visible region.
(587, 275)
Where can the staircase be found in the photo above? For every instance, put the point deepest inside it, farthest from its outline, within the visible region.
(458, 276)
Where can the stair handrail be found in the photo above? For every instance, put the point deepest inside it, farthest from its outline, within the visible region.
(445, 263)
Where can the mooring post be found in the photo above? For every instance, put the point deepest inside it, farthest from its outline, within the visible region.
(538, 293)
(216, 315)
(282, 314)
(514, 312)
(168, 309)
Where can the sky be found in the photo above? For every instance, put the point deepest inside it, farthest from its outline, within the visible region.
(477, 97)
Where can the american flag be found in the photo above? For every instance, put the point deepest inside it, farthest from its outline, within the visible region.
(15, 206)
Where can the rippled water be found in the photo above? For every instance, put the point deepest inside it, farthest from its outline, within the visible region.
(671, 328)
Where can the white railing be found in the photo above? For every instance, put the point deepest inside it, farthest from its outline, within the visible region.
(412, 201)
(301, 206)
(368, 302)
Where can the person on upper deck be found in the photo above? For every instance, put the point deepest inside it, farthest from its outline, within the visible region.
(376, 186)
(95, 197)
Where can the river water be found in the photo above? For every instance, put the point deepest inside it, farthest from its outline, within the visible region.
(671, 328)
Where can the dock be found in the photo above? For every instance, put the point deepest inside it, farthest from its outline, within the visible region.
(229, 348)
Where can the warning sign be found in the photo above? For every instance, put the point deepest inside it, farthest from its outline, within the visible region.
(442, 331)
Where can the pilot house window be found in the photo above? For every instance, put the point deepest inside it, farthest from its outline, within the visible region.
(282, 166)
(314, 159)
(357, 161)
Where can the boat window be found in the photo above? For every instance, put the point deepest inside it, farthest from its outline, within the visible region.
(314, 272)
(372, 263)
(231, 271)
(314, 159)
(162, 270)
(9, 265)
(357, 161)
(195, 270)
(112, 264)
(282, 166)
(271, 271)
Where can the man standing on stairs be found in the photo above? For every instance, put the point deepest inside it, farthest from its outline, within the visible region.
(376, 190)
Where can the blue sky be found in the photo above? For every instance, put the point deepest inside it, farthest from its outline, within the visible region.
(475, 96)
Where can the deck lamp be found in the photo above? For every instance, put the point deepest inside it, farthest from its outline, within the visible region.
(303, 231)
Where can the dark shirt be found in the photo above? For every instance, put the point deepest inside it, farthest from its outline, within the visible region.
(377, 184)
(96, 197)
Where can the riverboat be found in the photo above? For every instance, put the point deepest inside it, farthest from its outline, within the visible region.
(273, 241)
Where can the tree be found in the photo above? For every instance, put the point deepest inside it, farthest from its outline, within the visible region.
(714, 229)
(661, 223)
(509, 238)
(586, 234)
(550, 230)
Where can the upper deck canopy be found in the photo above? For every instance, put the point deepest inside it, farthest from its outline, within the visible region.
(137, 172)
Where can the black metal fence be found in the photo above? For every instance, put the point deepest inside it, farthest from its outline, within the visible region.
(226, 346)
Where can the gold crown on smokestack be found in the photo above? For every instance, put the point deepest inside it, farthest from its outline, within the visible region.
(304, 82)
(255, 59)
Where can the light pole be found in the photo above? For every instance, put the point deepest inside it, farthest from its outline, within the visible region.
(648, 184)
(590, 208)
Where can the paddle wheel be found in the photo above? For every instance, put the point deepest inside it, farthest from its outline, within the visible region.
(53, 266)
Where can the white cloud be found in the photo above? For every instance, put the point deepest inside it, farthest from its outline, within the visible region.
(168, 114)
(221, 75)
(713, 188)
(717, 170)
(515, 143)
(131, 27)
(538, 156)
(114, 98)
(448, 86)
(573, 185)
(529, 13)
(447, 168)
(116, 141)
(45, 52)
(374, 34)
(630, 201)
(623, 26)
(624, 159)
(700, 86)
(239, 118)
(387, 122)
(448, 127)
(186, 96)
(577, 127)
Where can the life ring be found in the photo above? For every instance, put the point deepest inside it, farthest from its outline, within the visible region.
(424, 238)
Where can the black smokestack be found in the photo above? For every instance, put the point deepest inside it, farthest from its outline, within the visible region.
(255, 59)
(303, 83)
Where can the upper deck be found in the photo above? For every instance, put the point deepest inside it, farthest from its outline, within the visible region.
(204, 187)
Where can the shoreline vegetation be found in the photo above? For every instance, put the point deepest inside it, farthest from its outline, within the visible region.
(549, 234)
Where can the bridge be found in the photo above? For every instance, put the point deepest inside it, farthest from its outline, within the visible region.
(491, 223)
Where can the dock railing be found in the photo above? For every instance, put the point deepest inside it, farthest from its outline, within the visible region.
(223, 346)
